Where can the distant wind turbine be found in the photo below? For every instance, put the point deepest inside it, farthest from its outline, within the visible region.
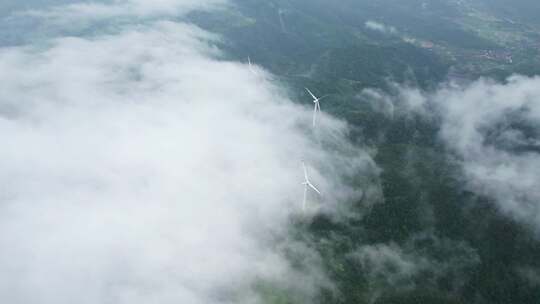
(307, 184)
(251, 66)
(317, 109)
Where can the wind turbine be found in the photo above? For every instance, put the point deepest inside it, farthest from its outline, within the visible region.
(307, 184)
(251, 66)
(316, 101)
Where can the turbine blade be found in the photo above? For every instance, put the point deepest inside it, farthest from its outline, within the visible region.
(312, 95)
(314, 188)
(305, 172)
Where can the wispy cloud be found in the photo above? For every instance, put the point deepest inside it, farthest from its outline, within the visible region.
(83, 10)
(380, 27)
(139, 166)
(493, 130)
(419, 262)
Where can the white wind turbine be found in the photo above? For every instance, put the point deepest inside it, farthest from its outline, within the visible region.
(317, 109)
(307, 184)
(251, 66)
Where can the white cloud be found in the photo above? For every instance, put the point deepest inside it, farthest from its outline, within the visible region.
(494, 131)
(494, 128)
(80, 11)
(380, 27)
(405, 100)
(140, 167)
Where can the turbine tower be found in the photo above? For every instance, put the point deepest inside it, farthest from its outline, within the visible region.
(307, 184)
(317, 108)
(251, 67)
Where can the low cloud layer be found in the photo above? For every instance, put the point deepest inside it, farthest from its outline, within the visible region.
(138, 166)
(493, 130)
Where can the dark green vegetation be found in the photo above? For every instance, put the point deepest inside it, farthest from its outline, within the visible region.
(430, 241)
